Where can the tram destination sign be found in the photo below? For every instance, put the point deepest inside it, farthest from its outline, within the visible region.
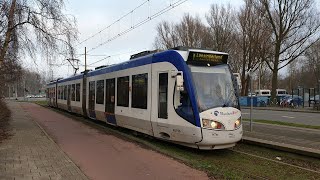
(203, 59)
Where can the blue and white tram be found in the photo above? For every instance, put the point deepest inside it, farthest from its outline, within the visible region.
(188, 97)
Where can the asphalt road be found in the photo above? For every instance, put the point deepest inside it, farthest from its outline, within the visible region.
(284, 116)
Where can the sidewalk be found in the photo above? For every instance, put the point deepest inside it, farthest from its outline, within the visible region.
(299, 140)
(30, 154)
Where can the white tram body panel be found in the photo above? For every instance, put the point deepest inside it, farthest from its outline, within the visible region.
(171, 112)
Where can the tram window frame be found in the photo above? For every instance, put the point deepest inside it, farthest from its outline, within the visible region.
(73, 92)
(123, 91)
(139, 93)
(100, 92)
(163, 95)
(78, 86)
(183, 105)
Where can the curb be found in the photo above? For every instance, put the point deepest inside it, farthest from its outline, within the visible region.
(282, 146)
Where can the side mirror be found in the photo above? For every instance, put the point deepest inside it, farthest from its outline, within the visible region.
(179, 85)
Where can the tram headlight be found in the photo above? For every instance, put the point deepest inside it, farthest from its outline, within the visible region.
(212, 124)
(237, 124)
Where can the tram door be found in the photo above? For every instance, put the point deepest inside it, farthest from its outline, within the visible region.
(91, 99)
(160, 103)
(69, 98)
(110, 101)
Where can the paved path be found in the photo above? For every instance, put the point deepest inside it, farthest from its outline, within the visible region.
(30, 154)
(103, 156)
(301, 139)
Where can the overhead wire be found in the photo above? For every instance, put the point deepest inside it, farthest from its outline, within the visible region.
(119, 54)
(133, 26)
(149, 18)
(130, 12)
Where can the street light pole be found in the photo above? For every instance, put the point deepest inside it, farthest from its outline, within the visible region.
(260, 66)
(251, 99)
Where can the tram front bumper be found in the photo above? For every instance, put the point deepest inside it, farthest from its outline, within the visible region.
(219, 139)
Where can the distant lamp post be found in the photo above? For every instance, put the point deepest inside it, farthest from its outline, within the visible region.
(250, 73)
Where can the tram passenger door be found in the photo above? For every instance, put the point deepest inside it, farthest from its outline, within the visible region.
(160, 117)
(110, 101)
(69, 98)
(91, 99)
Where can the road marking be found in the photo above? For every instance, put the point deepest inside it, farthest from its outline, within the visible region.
(288, 117)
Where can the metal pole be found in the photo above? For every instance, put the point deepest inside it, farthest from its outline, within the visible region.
(259, 76)
(85, 58)
(251, 102)
(24, 88)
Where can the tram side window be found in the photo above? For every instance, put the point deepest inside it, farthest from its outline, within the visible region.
(100, 92)
(78, 92)
(65, 92)
(123, 91)
(140, 91)
(73, 92)
(163, 96)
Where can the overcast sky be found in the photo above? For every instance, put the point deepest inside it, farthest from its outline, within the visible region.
(95, 15)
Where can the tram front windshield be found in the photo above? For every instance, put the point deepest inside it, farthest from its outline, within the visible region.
(214, 87)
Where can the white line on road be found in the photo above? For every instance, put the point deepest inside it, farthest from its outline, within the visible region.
(288, 117)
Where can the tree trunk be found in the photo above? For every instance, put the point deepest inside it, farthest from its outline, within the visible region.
(274, 83)
(5, 46)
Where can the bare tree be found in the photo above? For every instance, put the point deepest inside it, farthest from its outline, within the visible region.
(189, 32)
(167, 37)
(222, 27)
(295, 25)
(35, 26)
(253, 40)
(313, 61)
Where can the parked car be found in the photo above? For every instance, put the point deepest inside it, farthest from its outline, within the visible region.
(291, 101)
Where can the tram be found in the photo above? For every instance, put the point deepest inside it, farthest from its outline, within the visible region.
(186, 96)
